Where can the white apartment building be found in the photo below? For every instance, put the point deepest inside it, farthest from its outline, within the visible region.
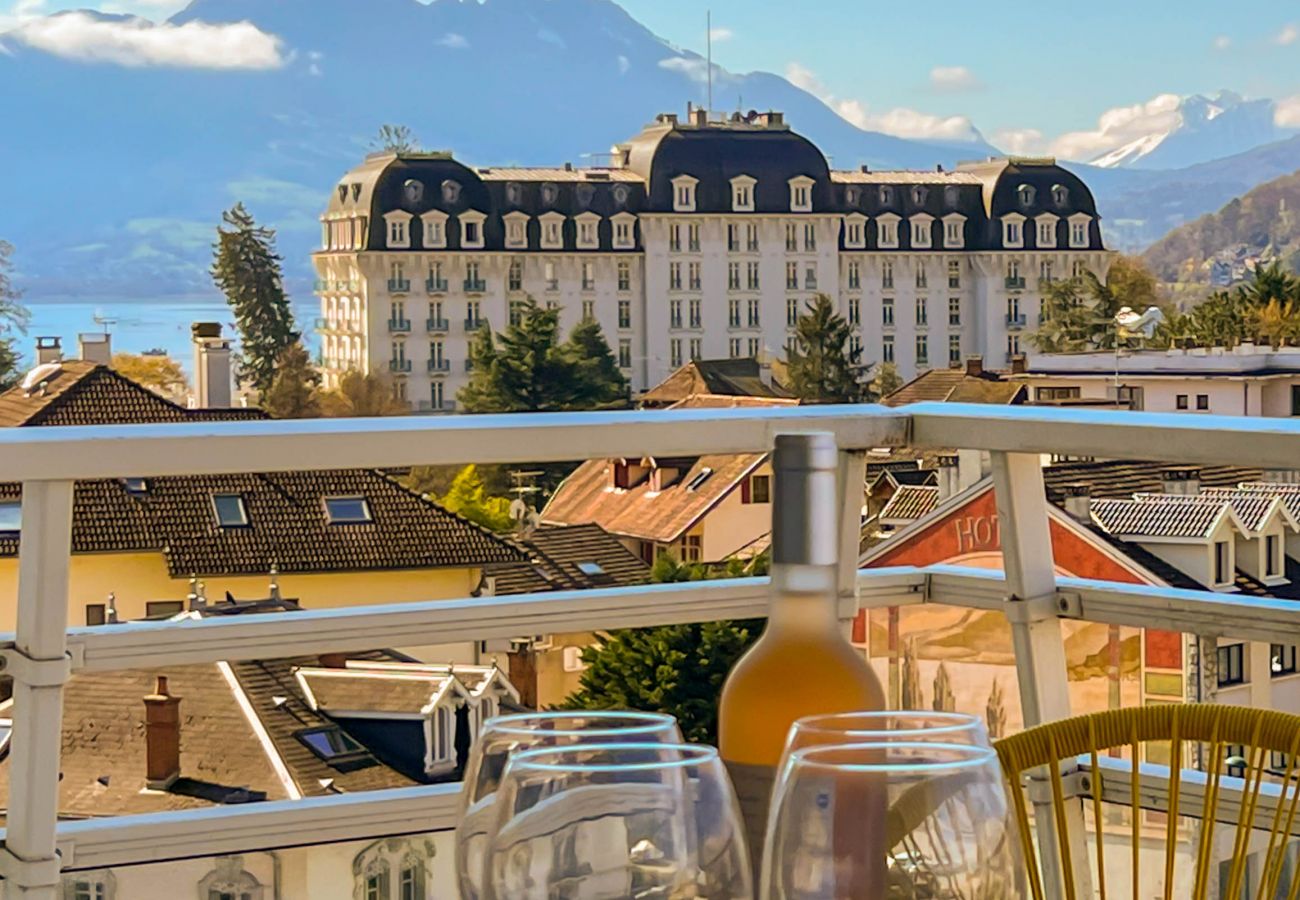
(704, 238)
(1247, 380)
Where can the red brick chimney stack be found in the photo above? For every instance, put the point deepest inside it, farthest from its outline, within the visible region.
(162, 726)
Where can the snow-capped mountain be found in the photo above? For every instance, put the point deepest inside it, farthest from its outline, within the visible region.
(1200, 129)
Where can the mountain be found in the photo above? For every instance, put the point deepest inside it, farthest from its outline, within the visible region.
(1262, 224)
(1198, 130)
(120, 182)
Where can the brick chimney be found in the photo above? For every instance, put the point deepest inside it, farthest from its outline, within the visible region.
(1019, 364)
(212, 384)
(975, 366)
(162, 732)
(333, 660)
(1182, 481)
(1078, 501)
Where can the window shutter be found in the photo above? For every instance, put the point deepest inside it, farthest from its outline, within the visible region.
(745, 492)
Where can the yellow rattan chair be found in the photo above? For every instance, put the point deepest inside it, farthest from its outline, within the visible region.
(1174, 727)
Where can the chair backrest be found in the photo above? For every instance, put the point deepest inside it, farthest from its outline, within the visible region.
(1255, 735)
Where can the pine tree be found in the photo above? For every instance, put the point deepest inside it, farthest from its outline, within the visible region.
(13, 320)
(527, 369)
(468, 497)
(294, 389)
(995, 711)
(944, 698)
(599, 377)
(247, 270)
(822, 365)
(912, 697)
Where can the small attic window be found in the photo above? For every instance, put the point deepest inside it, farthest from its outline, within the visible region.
(696, 482)
(450, 191)
(1027, 195)
(11, 517)
(621, 194)
(591, 568)
(136, 487)
(347, 510)
(343, 193)
(332, 745)
(230, 510)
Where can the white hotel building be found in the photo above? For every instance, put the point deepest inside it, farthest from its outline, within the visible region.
(703, 239)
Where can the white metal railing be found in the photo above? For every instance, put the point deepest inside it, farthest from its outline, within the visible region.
(42, 652)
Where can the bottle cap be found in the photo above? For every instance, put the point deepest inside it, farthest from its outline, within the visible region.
(805, 508)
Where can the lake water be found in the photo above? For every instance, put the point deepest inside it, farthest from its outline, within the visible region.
(139, 326)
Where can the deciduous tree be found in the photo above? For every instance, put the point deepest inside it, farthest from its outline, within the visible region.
(360, 394)
(294, 391)
(468, 497)
(396, 139)
(247, 270)
(160, 373)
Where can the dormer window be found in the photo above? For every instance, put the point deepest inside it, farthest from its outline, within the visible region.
(514, 193)
(230, 510)
(516, 230)
(399, 229)
(552, 231)
(1013, 231)
(742, 193)
(886, 195)
(951, 196)
(623, 233)
(413, 191)
(587, 231)
(855, 231)
(450, 191)
(954, 231)
(801, 194)
(1060, 194)
(471, 230)
(435, 230)
(550, 193)
(1079, 231)
(887, 231)
(852, 196)
(585, 194)
(684, 193)
(347, 511)
(920, 195)
(921, 232)
(1046, 236)
(621, 194)
(1027, 195)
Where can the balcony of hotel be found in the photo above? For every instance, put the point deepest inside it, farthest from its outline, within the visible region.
(1015, 283)
(399, 285)
(435, 285)
(474, 323)
(1047, 617)
(1015, 321)
(475, 285)
(437, 326)
(439, 366)
(399, 366)
(399, 326)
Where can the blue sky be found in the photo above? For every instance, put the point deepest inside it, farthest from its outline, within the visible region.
(1035, 79)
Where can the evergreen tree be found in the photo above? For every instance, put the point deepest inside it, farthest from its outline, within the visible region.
(247, 270)
(599, 377)
(294, 389)
(13, 320)
(674, 669)
(886, 380)
(468, 497)
(822, 365)
(361, 394)
(527, 369)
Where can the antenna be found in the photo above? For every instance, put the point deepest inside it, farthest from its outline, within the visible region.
(708, 20)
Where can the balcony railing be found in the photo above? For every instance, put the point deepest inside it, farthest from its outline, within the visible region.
(435, 285)
(399, 326)
(43, 652)
(436, 325)
(399, 365)
(475, 285)
(1015, 320)
(474, 323)
(439, 366)
(399, 285)
(1015, 283)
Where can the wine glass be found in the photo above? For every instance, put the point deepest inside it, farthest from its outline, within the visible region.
(502, 736)
(617, 821)
(887, 726)
(894, 820)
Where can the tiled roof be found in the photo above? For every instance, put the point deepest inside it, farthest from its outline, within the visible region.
(593, 176)
(955, 385)
(340, 691)
(723, 377)
(288, 526)
(1124, 478)
(1155, 519)
(910, 503)
(1253, 509)
(1290, 493)
(851, 176)
(561, 558)
(589, 496)
(83, 393)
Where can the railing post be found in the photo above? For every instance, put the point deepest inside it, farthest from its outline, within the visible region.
(1036, 637)
(39, 666)
(852, 479)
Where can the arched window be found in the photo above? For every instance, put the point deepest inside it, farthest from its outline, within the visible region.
(1060, 195)
(1027, 194)
(394, 869)
(920, 195)
(228, 880)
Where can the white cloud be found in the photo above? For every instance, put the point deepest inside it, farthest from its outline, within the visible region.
(953, 79)
(1289, 34)
(695, 69)
(453, 41)
(721, 34)
(624, 64)
(137, 42)
(1287, 112)
(1020, 141)
(1119, 126)
(1222, 42)
(900, 122)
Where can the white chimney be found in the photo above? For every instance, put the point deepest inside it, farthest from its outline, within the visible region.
(96, 348)
(949, 474)
(1181, 481)
(1078, 502)
(212, 382)
(49, 350)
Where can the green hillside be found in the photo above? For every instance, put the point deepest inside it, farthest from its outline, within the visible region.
(1264, 224)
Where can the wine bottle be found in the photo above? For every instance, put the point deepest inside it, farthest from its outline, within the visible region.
(802, 665)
